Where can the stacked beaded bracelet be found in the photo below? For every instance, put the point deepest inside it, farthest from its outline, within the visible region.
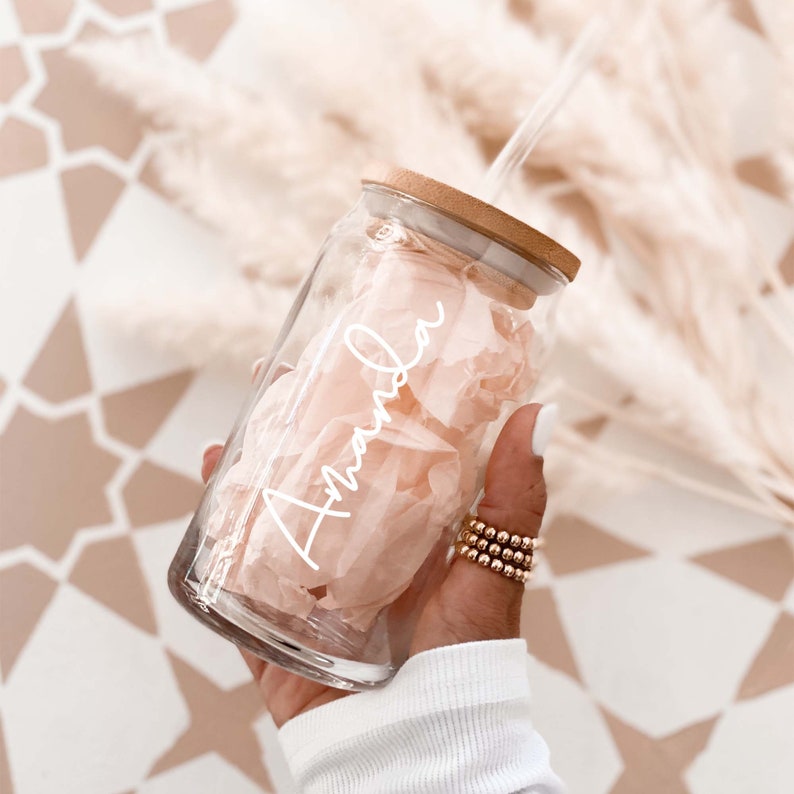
(509, 554)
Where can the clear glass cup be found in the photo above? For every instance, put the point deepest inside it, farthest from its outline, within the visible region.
(330, 516)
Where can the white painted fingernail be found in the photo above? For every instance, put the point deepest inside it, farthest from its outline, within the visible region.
(256, 365)
(544, 427)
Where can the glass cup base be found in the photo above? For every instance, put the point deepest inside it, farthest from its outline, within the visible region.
(231, 618)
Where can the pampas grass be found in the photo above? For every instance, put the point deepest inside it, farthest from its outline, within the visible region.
(676, 292)
(236, 320)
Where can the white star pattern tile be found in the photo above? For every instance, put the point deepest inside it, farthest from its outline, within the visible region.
(673, 523)
(215, 658)
(154, 248)
(661, 643)
(582, 750)
(205, 414)
(85, 685)
(35, 255)
(750, 749)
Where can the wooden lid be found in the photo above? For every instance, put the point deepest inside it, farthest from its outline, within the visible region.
(476, 214)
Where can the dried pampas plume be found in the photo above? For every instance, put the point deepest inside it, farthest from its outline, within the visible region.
(679, 291)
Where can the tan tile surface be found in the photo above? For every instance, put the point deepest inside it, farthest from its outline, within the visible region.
(198, 28)
(220, 722)
(43, 16)
(774, 665)
(154, 494)
(545, 634)
(767, 567)
(13, 72)
(5, 772)
(150, 177)
(109, 571)
(89, 192)
(125, 8)
(574, 544)
(29, 591)
(60, 371)
(760, 172)
(591, 428)
(87, 114)
(745, 12)
(656, 764)
(22, 147)
(134, 415)
(53, 481)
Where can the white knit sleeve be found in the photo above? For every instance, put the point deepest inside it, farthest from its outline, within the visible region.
(453, 720)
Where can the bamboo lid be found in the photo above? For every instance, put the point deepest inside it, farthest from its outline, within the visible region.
(476, 214)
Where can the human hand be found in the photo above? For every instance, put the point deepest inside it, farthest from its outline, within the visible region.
(472, 603)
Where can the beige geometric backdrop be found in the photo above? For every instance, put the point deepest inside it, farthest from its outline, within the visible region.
(661, 625)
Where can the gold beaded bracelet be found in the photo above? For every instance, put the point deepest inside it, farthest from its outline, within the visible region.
(510, 555)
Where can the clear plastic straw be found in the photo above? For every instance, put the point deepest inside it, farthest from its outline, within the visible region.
(583, 51)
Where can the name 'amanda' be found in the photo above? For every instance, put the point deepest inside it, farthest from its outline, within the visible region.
(335, 481)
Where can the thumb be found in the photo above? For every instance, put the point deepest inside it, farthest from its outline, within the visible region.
(515, 491)
(476, 603)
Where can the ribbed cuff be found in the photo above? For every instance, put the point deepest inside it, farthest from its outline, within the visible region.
(443, 679)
